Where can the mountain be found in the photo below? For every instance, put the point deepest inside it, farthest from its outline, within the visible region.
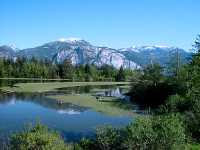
(82, 52)
(7, 51)
(155, 54)
(79, 52)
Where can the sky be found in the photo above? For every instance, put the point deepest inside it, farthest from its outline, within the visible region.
(113, 23)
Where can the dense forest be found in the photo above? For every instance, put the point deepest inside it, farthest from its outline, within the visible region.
(45, 69)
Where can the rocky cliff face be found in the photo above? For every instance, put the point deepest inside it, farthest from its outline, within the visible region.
(82, 52)
(6, 52)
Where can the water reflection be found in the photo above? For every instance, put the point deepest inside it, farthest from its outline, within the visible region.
(11, 82)
(39, 99)
(72, 121)
(101, 90)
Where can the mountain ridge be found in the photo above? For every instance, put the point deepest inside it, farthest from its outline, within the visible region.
(82, 52)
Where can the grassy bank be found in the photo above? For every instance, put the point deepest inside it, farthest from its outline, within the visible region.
(50, 86)
(35, 79)
(108, 105)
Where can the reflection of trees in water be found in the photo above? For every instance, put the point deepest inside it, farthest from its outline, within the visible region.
(7, 82)
(4, 140)
(6, 98)
(11, 82)
(109, 90)
(82, 89)
(41, 100)
(114, 92)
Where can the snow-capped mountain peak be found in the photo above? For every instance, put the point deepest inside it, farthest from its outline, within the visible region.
(70, 39)
(82, 52)
(13, 47)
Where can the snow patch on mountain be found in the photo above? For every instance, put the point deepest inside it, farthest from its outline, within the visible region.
(81, 52)
(13, 47)
(70, 39)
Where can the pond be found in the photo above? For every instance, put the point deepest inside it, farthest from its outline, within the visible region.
(72, 121)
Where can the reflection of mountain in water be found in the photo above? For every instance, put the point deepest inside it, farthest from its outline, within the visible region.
(68, 111)
(65, 108)
(117, 92)
(72, 121)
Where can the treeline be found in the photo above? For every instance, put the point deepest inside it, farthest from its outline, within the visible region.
(174, 96)
(33, 68)
(175, 93)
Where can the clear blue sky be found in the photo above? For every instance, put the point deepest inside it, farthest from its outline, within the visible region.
(113, 23)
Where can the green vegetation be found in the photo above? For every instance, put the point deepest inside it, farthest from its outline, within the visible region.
(121, 76)
(188, 103)
(46, 69)
(153, 87)
(174, 93)
(37, 138)
(159, 132)
(181, 95)
(108, 105)
(50, 86)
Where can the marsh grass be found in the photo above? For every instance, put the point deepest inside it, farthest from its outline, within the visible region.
(50, 86)
(108, 105)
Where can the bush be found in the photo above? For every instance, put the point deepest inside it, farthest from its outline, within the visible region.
(189, 107)
(108, 138)
(174, 104)
(148, 94)
(37, 138)
(170, 132)
(159, 132)
(153, 87)
(149, 133)
(140, 134)
(86, 144)
(192, 122)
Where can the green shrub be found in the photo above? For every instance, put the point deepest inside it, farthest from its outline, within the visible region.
(85, 144)
(170, 132)
(189, 107)
(146, 133)
(192, 147)
(174, 104)
(37, 138)
(158, 132)
(108, 138)
(140, 134)
(192, 122)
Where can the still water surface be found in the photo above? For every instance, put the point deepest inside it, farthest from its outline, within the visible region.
(72, 121)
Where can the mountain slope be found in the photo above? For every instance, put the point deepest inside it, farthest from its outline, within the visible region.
(6, 52)
(79, 52)
(155, 54)
(82, 52)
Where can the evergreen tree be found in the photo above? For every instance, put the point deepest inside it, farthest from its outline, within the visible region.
(1, 69)
(33, 68)
(88, 72)
(120, 75)
(68, 70)
(153, 73)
